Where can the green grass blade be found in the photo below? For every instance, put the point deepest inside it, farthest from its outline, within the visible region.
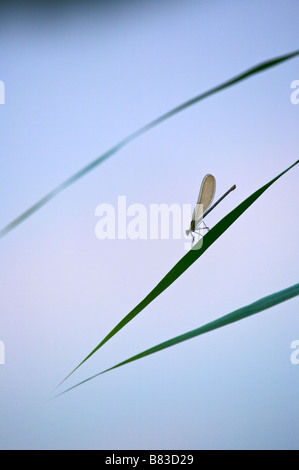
(241, 313)
(48, 197)
(185, 262)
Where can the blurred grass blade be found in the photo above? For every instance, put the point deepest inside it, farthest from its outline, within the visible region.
(185, 262)
(48, 197)
(244, 312)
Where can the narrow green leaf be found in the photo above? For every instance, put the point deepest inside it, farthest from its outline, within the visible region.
(185, 262)
(48, 197)
(241, 313)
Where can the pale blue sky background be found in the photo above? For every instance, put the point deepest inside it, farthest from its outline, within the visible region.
(77, 81)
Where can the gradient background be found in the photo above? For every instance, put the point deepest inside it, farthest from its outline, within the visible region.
(79, 79)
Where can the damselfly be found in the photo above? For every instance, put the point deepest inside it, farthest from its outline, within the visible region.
(203, 205)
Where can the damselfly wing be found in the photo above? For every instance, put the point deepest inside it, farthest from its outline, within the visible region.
(205, 199)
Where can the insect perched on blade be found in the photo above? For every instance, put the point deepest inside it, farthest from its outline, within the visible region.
(203, 205)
